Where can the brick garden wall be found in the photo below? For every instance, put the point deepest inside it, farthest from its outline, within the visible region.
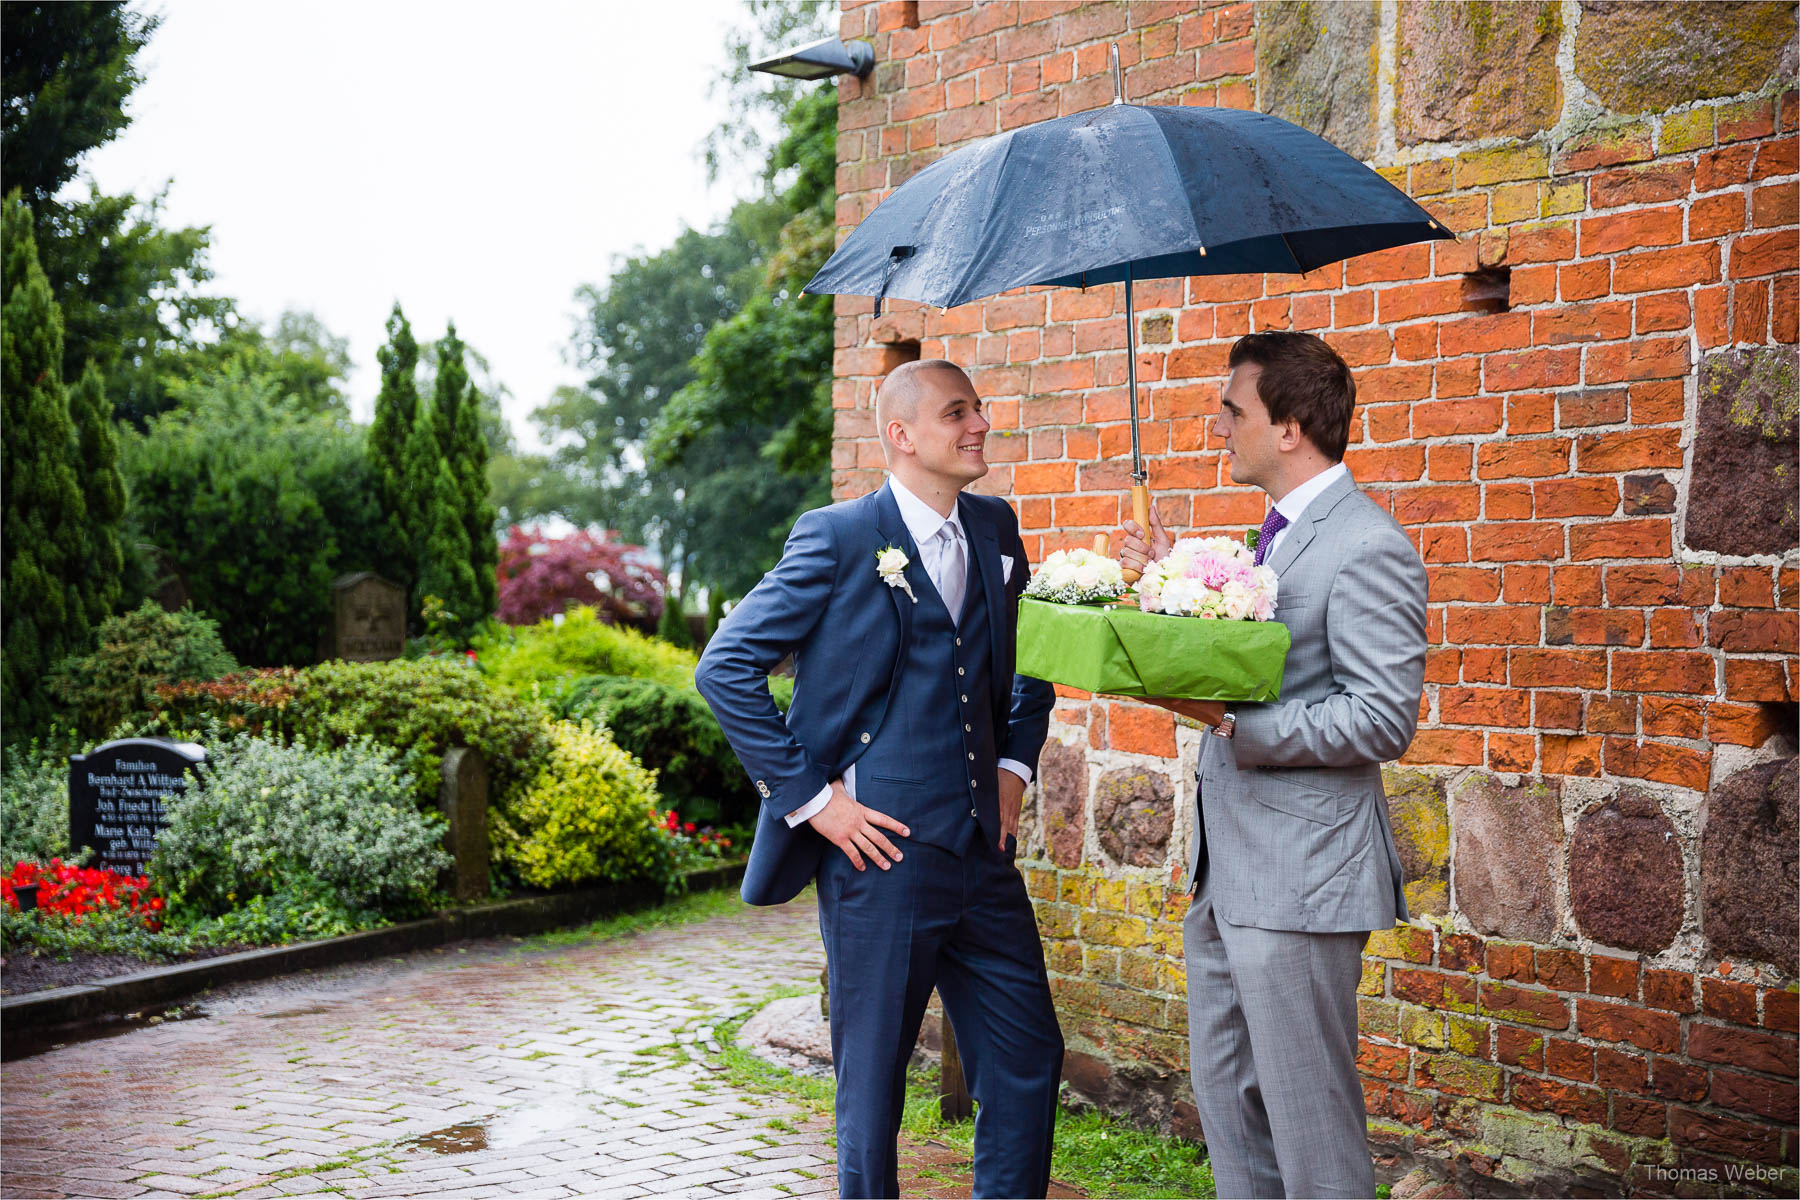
(1583, 410)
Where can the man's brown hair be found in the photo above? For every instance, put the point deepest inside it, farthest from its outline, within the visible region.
(1303, 380)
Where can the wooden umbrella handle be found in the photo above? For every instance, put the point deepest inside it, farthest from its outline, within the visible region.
(1140, 512)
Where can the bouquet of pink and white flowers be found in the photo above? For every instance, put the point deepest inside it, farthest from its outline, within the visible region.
(1208, 577)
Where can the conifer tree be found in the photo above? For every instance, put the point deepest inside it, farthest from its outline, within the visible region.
(417, 502)
(102, 573)
(444, 568)
(456, 420)
(44, 514)
(396, 412)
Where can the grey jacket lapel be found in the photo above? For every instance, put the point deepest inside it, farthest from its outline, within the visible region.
(1300, 534)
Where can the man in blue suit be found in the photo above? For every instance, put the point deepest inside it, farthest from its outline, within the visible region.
(907, 748)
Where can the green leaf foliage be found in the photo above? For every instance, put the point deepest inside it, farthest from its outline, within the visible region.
(127, 285)
(672, 731)
(396, 411)
(543, 659)
(102, 570)
(586, 818)
(672, 627)
(104, 931)
(34, 803)
(422, 708)
(258, 507)
(705, 428)
(267, 815)
(138, 651)
(303, 361)
(67, 69)
(45, 607)
(461, 550)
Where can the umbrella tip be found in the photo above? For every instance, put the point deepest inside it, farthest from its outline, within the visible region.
(1118, 77)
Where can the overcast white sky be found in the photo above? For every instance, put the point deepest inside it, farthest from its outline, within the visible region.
(474, 161)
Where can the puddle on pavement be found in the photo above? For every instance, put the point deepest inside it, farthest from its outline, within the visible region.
(452, 1139)
(310, 1010)
(503, 1131)
(28, 1043)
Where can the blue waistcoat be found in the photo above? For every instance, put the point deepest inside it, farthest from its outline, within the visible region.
(933, 761)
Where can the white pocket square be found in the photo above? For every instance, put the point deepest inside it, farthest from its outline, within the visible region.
(1006, 563)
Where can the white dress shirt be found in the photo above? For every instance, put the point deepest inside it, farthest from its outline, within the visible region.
(925, 524)
(1293, 505)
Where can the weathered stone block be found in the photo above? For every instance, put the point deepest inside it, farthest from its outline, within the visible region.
(1648, 494)
(1741, 494)
(1626, 884)
(1646, 57)
(1135, 813)
(1748, 864)
(1421, 820)
(1475, 69)
(463, 798)
(1063, 772)
(1315, 66)
(1508, 853)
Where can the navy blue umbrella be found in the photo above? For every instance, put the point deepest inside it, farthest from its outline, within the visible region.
(1123, 193)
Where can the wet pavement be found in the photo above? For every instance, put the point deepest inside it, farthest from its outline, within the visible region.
(495, 1068)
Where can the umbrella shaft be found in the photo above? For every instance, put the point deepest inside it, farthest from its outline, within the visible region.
(1138, 474)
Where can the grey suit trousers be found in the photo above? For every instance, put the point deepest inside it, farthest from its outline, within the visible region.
(1272, 1043)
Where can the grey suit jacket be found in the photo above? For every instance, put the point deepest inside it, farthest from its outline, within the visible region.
(1292, 810)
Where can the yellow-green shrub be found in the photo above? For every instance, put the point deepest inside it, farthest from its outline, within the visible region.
(586, 817)
(546, 656)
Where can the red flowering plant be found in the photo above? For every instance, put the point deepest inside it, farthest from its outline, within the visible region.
(66, 890)
(541, 576)
(696, 846)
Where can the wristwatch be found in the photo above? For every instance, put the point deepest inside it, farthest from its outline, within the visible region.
(1227, 725)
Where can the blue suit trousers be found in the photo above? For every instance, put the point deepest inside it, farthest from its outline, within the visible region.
(961, 923)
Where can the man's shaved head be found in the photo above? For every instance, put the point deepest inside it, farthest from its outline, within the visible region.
(901, 391)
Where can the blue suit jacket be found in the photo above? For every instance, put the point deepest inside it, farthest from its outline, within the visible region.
(847, 629)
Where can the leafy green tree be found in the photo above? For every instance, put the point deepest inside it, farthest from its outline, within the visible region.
(307, 363)
(396, 413)
(67, 69)
(638, 338)
(43, 613)
(258, 507)
(127, 286)
(750, 436)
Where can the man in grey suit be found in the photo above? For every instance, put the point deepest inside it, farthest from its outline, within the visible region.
(1293, 861)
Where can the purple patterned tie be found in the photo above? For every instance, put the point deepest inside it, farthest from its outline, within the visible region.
(1272, 524)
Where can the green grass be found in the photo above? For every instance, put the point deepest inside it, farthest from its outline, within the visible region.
(682, 910)
(1098, 1153)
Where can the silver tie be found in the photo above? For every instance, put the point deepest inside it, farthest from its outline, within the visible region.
(953, 571)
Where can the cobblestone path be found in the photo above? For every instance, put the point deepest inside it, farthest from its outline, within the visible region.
(496, 1068)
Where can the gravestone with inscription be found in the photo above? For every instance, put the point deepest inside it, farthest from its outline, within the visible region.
(116, 794)
(368, 618)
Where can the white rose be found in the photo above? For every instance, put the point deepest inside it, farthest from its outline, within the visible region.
(891, 560)
(1087, 575)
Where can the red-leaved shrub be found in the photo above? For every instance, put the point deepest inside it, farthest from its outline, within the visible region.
(541, 576)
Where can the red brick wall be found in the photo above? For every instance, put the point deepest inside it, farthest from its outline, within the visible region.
(1541, 458)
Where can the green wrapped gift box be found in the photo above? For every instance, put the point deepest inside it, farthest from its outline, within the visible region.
(1117, 649)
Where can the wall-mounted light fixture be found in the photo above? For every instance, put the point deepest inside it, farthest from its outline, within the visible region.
(820, 60)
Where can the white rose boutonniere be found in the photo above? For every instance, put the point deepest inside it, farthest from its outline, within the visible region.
(891, 563)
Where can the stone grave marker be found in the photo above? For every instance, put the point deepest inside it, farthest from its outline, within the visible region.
(368, 618)
(116, 794)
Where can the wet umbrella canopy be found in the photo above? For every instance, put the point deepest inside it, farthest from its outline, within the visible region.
(1122, 193)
